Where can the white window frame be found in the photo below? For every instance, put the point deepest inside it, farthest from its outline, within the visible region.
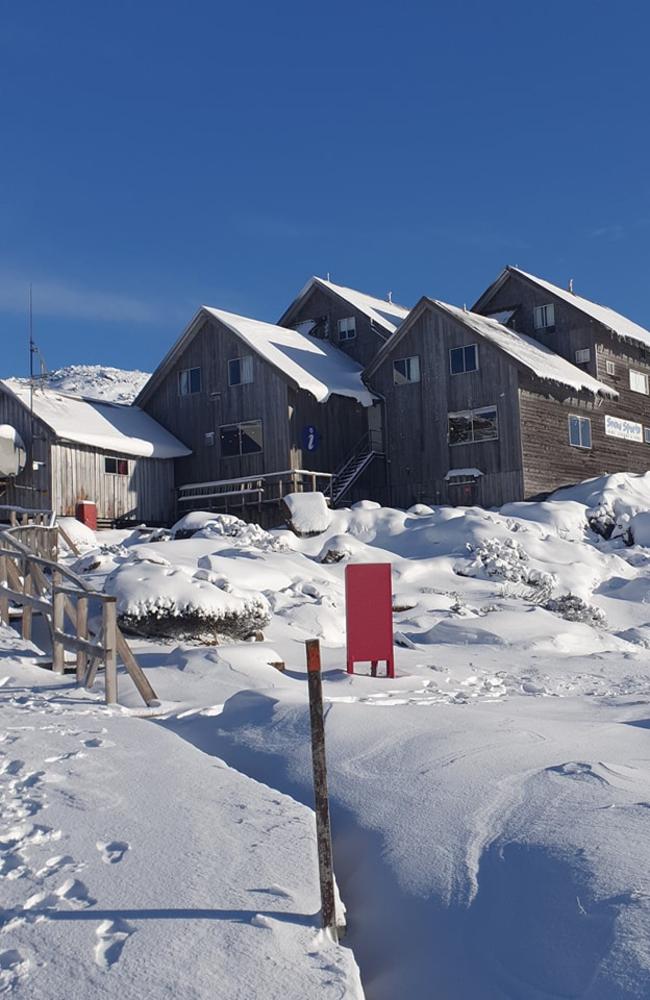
(185, 381)
(245, 370)
(472, 414)
(610, 368)
(582, 421)
(412, 361)
(643, 378)
(346, 328)
(646, 435)
(239, 424)
(465, 371)
(117, 462)
(583, 356)
(544, 316)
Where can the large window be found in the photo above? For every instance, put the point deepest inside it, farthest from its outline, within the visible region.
(579, 432)
(639, 382)
(116, 466)
(347, 328)
(470, 426)
(241, 439)
(240, 370)
(463, 359)
(544, 317)
(406, 370)
(189, 381)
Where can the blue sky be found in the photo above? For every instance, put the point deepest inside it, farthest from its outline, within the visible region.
(160, 155)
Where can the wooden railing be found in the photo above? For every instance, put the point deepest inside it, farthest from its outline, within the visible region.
(35, 582)
(251, 491)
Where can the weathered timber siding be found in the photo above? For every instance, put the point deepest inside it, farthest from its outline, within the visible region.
(322, 303)
(191, 417)
(341, 423)
(146, 493)
(32, 487)
(418, 451)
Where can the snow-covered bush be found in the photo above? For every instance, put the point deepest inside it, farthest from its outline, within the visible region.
(505, 560)
(340, 548)
(574, 609)
(157, 599)
(201, 524)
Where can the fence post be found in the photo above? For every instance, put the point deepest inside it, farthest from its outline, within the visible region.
(82, 633)
(4, 600)
(321, 801)
(109, 615)
(28, 611)
(58, 622)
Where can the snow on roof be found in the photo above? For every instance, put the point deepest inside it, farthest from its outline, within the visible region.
(618, 324)
(313, 364)
(116, 427)
(539, 359)
(467, 473)
(387, 315)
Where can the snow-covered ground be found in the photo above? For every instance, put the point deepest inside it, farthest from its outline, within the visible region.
(490, 805)
(114, 385)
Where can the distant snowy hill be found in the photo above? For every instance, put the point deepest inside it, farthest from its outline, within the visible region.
(96, 381)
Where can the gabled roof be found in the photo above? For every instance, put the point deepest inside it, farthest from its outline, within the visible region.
(307, 362)
(527, 352)
(115, 427)
(614, 321)
(386, 315)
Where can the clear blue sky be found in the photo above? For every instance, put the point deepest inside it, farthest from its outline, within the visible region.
(160, 155)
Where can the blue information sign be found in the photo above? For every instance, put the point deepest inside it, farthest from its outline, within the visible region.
(310, 438)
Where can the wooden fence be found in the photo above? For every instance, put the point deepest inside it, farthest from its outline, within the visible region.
(31, 579)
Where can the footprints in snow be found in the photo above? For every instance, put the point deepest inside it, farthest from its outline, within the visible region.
(113, 851)
(13, 969)
(72, 891)
(112, 935)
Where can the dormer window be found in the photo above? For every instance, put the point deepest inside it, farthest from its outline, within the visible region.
(347, 328)
(544, 317)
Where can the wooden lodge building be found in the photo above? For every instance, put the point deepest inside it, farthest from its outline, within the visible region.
(84, 449)
(533, 389)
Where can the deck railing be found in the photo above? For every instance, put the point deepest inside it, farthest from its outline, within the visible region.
(252, 491)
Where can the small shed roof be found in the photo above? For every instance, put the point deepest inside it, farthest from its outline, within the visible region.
(385, 314)
(116, 427)
(614, 321)
(313, 364)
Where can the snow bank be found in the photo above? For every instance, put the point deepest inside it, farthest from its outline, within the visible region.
(308, 513)
(82, 536)
(202, 524)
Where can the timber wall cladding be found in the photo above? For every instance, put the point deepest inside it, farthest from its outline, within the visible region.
(418, 450)
(33, 487)
(79, 474)
(193, 416)
(367, 342)
(340, 422)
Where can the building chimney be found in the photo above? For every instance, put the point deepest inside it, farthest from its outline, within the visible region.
(571, 286)
(389, 297)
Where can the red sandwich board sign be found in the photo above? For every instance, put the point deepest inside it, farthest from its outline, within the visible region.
(369, 615)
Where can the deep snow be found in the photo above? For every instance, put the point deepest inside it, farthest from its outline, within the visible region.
(491, 805)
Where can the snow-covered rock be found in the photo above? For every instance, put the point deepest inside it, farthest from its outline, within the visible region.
(308, 513)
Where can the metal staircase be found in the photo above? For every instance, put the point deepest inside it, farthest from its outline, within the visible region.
(346, 476)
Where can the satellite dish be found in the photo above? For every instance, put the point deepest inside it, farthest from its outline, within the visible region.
(13, 453)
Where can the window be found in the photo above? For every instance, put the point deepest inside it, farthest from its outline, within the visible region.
(646, 435)
(189, 381)
(116, 466)
(639, 382)
(580, 432)
(406, 370)
(463, 359)
(241, 439)
(209, 439)
(544, 317)
(610, 368)
(471, 426)
(583, 356)
(347, 328)
(240, 370)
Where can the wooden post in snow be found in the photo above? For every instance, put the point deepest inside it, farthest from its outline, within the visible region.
(321, 800)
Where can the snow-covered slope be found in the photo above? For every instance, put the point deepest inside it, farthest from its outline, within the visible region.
(97, 381)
